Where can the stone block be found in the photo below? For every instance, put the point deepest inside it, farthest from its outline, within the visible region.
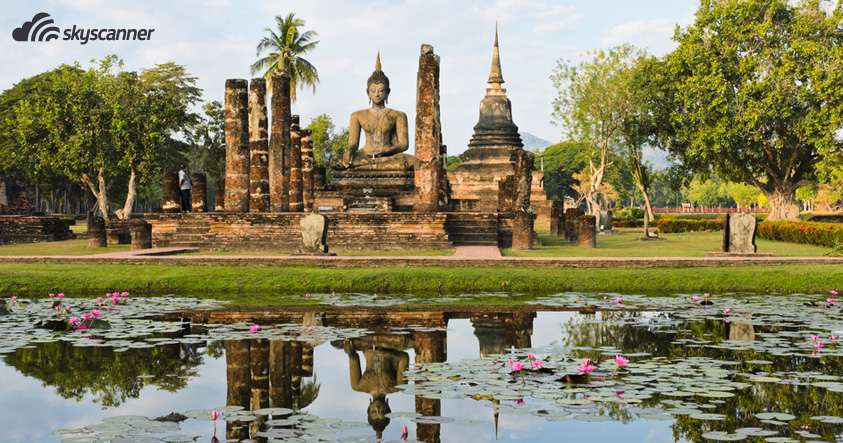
(742, 229)
(199, 192)
(96, 231)
(171, 202)
(586, 231)
(314, 233)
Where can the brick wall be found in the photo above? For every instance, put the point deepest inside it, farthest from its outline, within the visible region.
(15, 229)
(280, 232)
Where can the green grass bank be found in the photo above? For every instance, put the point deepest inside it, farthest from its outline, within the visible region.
(239, 283)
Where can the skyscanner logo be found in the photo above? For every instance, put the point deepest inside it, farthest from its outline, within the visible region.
(42, 28)
(39, 29)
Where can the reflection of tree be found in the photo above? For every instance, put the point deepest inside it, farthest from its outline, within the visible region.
(110, 376)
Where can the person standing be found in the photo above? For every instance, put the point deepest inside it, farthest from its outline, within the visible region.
(184, 189)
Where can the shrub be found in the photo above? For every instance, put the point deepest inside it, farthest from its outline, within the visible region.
(672, 226)
(820, 234)
(627, 223)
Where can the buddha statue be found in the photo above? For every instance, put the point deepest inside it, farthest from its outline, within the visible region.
(386, 133)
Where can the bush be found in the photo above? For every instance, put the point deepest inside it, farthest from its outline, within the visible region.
(820, 234)
(672, 226)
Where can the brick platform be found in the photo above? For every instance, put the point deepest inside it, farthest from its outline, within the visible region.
(16, 229)
(280, 232)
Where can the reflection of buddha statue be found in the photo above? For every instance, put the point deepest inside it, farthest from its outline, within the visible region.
(386, 133)
(384, 370)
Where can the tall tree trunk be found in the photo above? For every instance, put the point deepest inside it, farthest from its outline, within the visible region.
(647, 206)
(783, 205)
(100, 191)
(126, 212)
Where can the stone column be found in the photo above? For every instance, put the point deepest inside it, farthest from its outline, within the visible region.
(279, 142)
(141, 235)
(219, 195)
(522, 226)
(571, 216)
(198, 192)
(236, 146)
(557, 219)
(586, 231)
(96, 231)
(296, 191)
(307, 168)
(171, 193)
(430, 175)
(258, 147)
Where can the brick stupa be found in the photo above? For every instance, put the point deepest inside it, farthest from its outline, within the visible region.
(493, 151)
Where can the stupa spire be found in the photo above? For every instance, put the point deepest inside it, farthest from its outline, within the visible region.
(496, 76)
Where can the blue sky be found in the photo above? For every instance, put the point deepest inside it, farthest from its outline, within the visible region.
(216, 40)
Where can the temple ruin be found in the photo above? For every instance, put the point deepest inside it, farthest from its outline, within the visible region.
(378, 197)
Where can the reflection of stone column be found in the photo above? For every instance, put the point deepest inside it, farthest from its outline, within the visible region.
(430, 174)
(522, 226)
(280, 390)
(296, 191)
(259, 365)
(429, 347)
(171, 192)
(519, 330)
(219, 195)
(258, 147)
(279, 142)
(307, 168)
(236, 146)
(199, 192)
(491, 335)
(238, 373)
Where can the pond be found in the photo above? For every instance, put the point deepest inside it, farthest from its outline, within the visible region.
(360, 368)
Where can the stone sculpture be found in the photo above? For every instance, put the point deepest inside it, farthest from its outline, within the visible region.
(386, 133)
(314, 232)
(742, 229)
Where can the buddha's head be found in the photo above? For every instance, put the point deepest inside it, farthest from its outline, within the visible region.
(377, 87)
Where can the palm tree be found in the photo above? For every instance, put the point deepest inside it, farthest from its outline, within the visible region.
(285, 50)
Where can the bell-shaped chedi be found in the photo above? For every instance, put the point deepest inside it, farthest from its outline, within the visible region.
(493, 151)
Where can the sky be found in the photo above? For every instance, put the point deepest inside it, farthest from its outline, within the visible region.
(216, 40)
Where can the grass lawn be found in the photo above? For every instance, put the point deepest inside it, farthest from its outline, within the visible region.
(423, 253)
(687, 244)
(66, 247)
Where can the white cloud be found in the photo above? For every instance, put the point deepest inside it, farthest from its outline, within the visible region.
(655, 35)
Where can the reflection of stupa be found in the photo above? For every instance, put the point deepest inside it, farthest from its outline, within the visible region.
(492, 153)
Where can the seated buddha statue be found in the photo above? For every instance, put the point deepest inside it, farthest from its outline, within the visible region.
(386, 133)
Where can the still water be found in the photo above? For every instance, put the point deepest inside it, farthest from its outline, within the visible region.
(745, 368)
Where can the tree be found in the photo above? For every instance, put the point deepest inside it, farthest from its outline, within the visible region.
(94, 125)
(328, 142)
(743, 194)
(286, 49)
(594, 98)
(561, 162)
(207, 140)
(754, 92)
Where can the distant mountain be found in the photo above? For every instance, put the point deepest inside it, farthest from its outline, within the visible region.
(531, 142)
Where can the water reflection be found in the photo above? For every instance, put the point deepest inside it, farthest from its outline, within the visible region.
(684, 367)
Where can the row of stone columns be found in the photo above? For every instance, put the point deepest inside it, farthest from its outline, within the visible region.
(264, 171)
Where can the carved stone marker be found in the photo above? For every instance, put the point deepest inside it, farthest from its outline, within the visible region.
(742, 228)
(96, 231)
(314, 232)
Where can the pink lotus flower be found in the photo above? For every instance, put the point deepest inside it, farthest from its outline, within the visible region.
(814, 338)
(832, 337)
(52, 295)
(618, 300)
(215, 414)
(83, 327)
(88, 316)
(254, 328)
(99, 299)
(116, 299)
(310, 329)
(531, 356)
(585, 369)
(519, 401)
(831, 301)
(124, 294)
(832, 292)
(726, 311)
(819, 344)
(404, 432)
(61, 295)
(14, 298)
(804, 427)
(307, 296)
(96, 312)
(726, 320)
(706, 296)
(516, 365)
(586, 361)
(621, 361)
(695, 298)
(74, 319)
(537, 363)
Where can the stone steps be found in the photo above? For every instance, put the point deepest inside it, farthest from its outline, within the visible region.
(472, 229)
